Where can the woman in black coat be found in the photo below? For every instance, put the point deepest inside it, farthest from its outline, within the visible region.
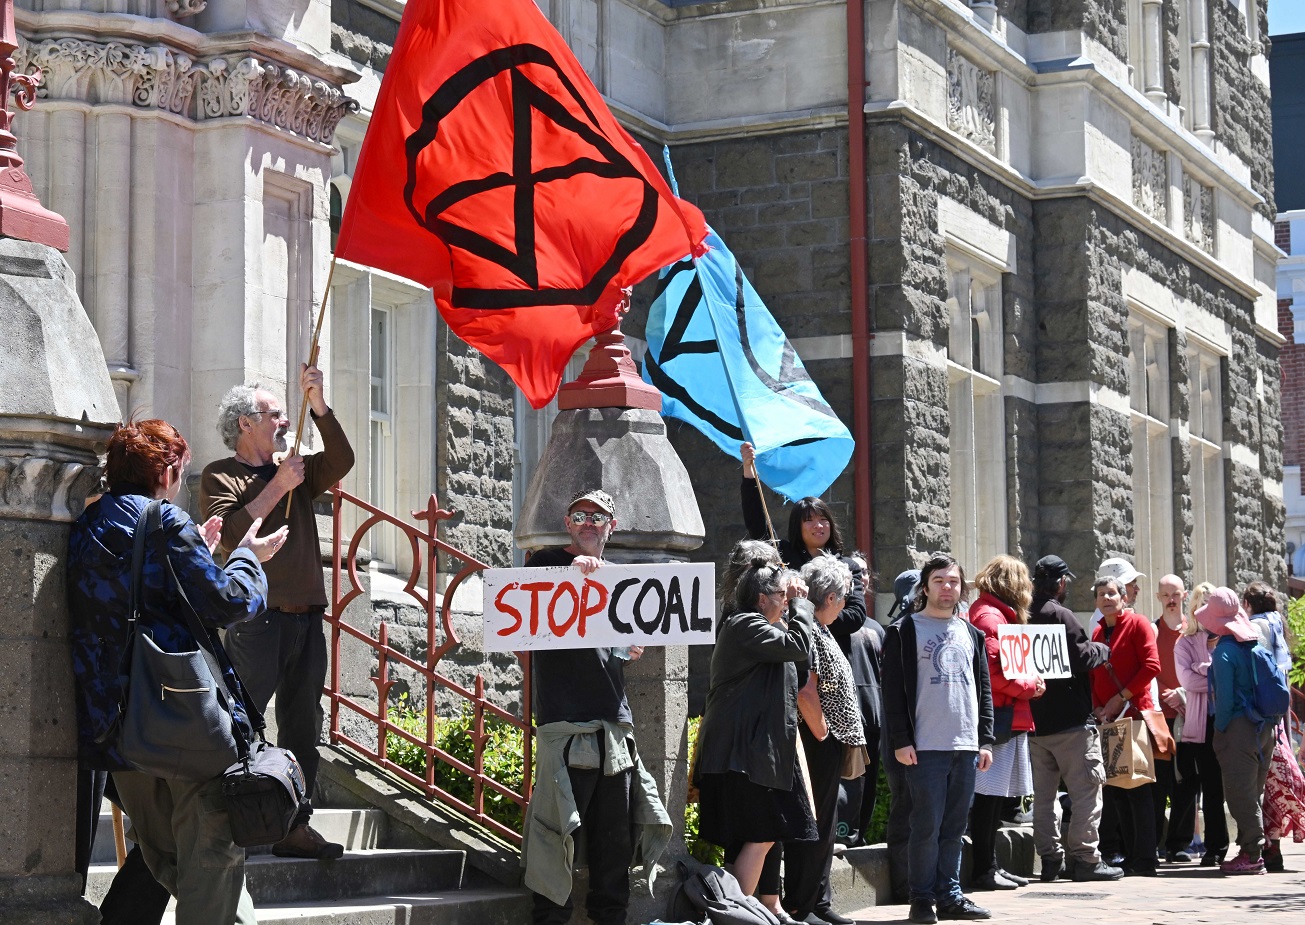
(752, 791)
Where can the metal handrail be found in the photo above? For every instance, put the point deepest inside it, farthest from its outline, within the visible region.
(425, 545)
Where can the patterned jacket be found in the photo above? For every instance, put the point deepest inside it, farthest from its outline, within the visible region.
(99, 601)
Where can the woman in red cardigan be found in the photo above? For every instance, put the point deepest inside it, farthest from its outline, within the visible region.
(1122, 685)
(1005, 592)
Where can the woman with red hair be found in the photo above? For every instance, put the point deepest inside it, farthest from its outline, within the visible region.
(180, 826)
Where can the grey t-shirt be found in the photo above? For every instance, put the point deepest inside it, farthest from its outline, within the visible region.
(946, 702)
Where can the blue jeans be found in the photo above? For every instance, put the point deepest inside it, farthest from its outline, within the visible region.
(942, 788)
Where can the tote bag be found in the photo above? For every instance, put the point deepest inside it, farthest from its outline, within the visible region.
(1126, 748)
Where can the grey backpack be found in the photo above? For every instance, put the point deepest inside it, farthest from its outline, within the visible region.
(709, 894)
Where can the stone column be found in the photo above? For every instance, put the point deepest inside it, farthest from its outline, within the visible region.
(1199, 19)
(55, 404)
(1153, 83)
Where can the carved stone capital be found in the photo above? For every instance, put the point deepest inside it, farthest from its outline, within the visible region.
(40, 488)
(167, 79)
(181, 9)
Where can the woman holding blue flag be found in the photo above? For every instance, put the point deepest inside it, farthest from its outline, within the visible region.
(812, 531)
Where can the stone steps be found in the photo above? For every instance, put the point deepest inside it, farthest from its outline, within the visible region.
(354, 828)
(359, 874)
(494, 906)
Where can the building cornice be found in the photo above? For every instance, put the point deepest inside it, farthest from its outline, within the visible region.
(169, 78)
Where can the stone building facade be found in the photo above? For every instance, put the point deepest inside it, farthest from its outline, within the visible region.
(1074, 335)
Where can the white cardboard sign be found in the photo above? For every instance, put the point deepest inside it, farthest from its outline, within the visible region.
(1033, 651)
(670, 604)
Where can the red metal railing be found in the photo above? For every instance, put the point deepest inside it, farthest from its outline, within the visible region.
(441, 638)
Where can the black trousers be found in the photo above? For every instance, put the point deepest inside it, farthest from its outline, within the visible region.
(134, 897)
(807, 863)
(1199, 769)
(985, 820)
(604, 806)
(285, 654)
(1133, 812)
(898, 835)
(1181, 825)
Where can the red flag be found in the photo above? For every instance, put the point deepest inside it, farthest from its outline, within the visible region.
(493, 172)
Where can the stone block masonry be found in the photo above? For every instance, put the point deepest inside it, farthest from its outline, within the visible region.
(1241, 112)
(474, 401)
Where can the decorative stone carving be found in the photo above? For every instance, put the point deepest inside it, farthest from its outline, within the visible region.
(36, 488)
(971, 107)
(159, 77)
(184, 8)
(1150, 180)
(1198, 213)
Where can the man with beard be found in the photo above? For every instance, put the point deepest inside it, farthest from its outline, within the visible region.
(588, 768)
(282, 652)
(1065, 742)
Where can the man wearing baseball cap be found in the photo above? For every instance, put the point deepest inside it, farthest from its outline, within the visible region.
(1065, 742)
(587, 763)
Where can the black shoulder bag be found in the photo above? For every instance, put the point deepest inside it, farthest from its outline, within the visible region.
(191, 732)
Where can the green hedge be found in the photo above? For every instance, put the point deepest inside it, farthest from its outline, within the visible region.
(503, 760)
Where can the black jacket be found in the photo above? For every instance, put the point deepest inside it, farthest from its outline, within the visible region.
(900, 675)
(866, 659)
(1067, 702)
(854, 612)
(750, 722)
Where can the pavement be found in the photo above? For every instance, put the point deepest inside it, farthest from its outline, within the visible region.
(1183, 894)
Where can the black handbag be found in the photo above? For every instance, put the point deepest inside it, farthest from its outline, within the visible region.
(263, 793)
(177, 721)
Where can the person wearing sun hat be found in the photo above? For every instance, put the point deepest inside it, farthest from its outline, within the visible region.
(1243, 746)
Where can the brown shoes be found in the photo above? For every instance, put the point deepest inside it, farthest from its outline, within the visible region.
(306, 842)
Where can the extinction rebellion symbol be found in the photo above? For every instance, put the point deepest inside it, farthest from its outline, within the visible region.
(444, 111)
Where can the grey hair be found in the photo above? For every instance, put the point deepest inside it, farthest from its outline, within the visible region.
(237, 403)
(826, 575)
(741, 559)
(1102, 582)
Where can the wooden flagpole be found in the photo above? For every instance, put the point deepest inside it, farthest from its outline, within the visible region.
(312, 361)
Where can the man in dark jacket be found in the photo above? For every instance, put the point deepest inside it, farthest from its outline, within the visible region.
(1065, 743)
(938, 718)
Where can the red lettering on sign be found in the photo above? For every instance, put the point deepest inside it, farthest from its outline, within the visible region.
(589, 608)
(535, 588)
(504, 607)
(565, 588)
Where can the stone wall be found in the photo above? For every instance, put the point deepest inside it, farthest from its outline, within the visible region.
(1101, 20)
(908, 291)
(1242, 119)
(474, 411)
(362, 33)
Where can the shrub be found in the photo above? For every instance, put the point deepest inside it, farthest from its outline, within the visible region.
(699, 849)
(1296, 640)
(503, 760)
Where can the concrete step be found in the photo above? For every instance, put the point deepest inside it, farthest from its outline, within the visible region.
(356, 829)
(357, 875)
(490, 906)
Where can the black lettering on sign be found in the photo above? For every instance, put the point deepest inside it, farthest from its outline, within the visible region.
(617, 623)
(675, 605)
(696, 622)
(650, 626)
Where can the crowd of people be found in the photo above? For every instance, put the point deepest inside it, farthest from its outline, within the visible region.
(808, 697)
(961, 741)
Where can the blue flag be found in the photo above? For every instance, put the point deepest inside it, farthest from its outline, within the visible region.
(724, 366)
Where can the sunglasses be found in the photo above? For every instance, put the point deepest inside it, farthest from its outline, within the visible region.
(597, 518)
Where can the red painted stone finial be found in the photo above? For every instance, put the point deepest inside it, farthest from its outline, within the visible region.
(21, 214)
(609, 379)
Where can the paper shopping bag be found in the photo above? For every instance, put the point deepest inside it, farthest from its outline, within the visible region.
(1126, 748)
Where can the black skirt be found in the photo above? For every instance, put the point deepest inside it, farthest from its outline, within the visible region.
(733, 810)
